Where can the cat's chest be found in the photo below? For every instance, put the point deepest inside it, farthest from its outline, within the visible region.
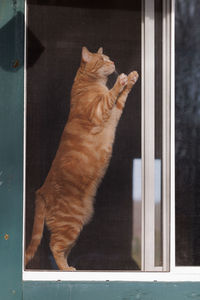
(104, 140)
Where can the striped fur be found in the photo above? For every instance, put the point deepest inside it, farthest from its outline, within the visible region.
(65, 200)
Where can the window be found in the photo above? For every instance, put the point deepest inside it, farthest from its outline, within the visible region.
(130, 227)
(138, 203)
(53, 57)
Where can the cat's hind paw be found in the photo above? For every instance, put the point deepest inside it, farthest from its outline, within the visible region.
(70, 269)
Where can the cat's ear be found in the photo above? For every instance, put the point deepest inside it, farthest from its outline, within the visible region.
(100, 51)
(86, 54)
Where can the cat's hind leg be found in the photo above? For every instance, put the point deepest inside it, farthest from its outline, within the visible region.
(61, 244)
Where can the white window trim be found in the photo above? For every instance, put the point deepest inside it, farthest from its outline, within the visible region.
(175, 273)
(178, 276)
(168, 101)
(148, 136)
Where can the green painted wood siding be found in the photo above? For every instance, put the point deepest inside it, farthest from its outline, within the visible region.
(11, 192)
(11, 146)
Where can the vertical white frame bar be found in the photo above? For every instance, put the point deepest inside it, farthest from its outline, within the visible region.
(148, 136)
(148, 132)
(167, 72)
(172, 146)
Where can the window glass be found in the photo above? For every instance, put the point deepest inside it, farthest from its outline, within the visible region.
(56, 33)
(158, 133)
(187, 164)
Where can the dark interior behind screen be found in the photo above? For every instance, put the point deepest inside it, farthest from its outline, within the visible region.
(57, 30)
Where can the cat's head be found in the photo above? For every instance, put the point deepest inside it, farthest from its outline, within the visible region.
(97, 64)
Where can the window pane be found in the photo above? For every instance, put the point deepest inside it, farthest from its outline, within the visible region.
(187, 133)
(158, 133)
(137, 211)
(56, 34)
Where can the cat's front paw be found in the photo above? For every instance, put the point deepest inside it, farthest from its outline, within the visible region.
(122, 81)
(132, 78)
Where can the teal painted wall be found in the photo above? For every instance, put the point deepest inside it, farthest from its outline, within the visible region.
(11, 191)
(112, 291)
(11, 146)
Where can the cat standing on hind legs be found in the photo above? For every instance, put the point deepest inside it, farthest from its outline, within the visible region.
(65, 200)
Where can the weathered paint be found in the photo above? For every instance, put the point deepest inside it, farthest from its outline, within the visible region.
(11, 190)
(111, 291)
(11, 147)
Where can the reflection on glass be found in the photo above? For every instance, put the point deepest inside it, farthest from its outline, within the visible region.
(158, 214)
(137, 210)
(187, 164)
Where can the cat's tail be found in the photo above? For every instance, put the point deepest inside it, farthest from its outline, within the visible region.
(38, 227)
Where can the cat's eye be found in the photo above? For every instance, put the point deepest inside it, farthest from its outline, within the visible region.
(105, 58)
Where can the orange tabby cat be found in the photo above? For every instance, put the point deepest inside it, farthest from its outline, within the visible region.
(65, 200)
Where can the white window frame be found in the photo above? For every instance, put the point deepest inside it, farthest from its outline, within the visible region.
(168, 272)
(148, 134)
